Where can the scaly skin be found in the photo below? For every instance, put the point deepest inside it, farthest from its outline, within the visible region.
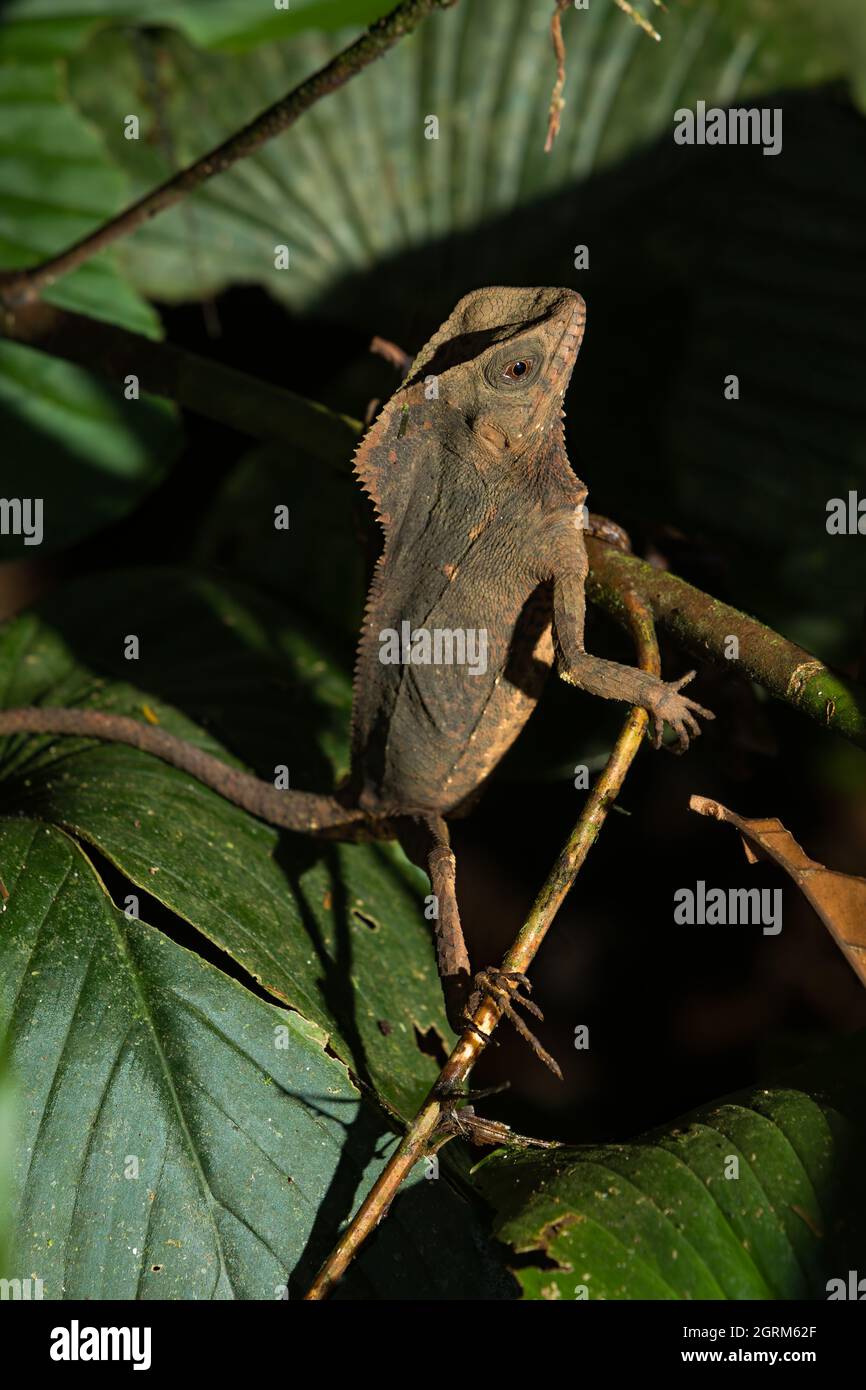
(483, 523)
(482, 518)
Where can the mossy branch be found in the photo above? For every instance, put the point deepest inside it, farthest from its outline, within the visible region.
(704, 625)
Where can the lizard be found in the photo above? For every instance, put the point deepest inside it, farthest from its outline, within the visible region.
(484, 522)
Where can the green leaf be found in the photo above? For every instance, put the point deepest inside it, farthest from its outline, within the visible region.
(8, 1130)
(57, 184)
(756, 1196)
(336, 931)
(356, 180)
(69, 439)
(177, 1137)
(44, 28)
(74, 443)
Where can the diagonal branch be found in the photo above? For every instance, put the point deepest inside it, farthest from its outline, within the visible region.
(424, 1133)
(22, 286)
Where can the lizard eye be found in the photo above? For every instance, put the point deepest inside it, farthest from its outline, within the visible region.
(515, 365)
(515, 371)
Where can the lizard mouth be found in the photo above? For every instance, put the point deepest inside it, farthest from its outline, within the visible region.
(571, 314)
(569, 318)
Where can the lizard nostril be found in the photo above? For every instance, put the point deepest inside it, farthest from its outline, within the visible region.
(491, 434)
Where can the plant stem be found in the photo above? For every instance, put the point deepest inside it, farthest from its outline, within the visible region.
(23, 286)
(454, 1074)
(704, 626)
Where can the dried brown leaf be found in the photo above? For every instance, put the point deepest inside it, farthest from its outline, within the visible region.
(839, 899)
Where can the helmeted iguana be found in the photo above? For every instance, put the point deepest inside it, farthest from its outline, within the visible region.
(479, 589)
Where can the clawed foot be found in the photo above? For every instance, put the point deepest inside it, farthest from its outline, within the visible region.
(503, 987)
(669, 707)
(463, 1123)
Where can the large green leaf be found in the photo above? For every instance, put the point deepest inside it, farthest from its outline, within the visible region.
(77, 445)
(356, 180)
(177, 1137)
(69, 439)
(57, 184)
(8, 1130)
(337, 931)
(45, 28)
(756, 1196)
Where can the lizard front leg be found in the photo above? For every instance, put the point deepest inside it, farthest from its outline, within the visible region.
(610, 679)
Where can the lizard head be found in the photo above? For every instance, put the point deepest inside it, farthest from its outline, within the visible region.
(504, 358)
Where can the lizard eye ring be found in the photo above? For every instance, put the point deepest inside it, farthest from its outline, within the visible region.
(511, 369)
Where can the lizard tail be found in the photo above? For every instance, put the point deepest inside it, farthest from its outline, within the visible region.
(293, 810)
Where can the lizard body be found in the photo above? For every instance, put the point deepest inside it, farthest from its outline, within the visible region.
(483, 518)
(483, 522)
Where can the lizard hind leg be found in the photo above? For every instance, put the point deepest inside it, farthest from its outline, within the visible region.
(426, 841)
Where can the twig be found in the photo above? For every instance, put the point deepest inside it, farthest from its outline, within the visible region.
(557, 102)
(556, 98)
(423, 1130)
(22, 286)
(395, 356)
(639, 19)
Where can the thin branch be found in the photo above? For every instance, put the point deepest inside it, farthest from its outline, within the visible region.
(557, 102)
(425, 1129)
(22, 286)
(639, 19)
(704, 626)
